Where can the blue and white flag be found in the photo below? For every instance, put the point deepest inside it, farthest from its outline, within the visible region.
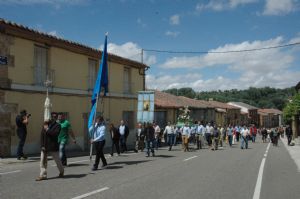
(102, 81)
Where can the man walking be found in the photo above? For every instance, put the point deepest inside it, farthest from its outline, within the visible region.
(63, 137)
(156, 135)
(99, 141)
(229, 135)
(139, 138)
(169, 130)
(124, 132)
(253, 132)
(199, 135)
(115, 139)
(22, 122)
(186, 132)
(244, 138)
(50, 146)
(289, 134)
(148, 133)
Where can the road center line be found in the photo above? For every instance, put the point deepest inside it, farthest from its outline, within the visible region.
(190, 158)
(257, 189)
(17, 171)
(91, 193)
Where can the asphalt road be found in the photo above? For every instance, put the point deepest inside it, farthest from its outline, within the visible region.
(258, 172)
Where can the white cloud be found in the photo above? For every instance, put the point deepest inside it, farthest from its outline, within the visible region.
(172, 34)
(262, 60)
(278, 79)
(220, 5)
(53, 33)
(131, 51)
(175, 20)
(279, 7)
(257, 68)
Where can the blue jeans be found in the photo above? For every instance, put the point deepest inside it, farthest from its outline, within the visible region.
(157, 143)
(230, 140)
(170, 140)
(62, 153)
(253, 138)
(123, 143)
(244, 141)
(149, 145)
(175, 139)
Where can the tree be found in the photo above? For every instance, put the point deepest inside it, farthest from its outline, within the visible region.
(292, 108)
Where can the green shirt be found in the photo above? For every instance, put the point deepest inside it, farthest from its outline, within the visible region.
(64, 132)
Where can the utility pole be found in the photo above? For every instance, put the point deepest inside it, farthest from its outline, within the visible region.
(142, 56)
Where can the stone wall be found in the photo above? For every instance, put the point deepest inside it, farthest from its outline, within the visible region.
(7, 111)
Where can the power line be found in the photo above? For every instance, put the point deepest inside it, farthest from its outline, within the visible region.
(216, 52)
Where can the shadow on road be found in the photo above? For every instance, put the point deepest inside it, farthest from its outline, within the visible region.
(130, 162)
(114, 167)
(77, 165)
(69, 176)
(164, 156)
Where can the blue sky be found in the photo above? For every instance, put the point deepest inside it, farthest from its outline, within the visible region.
(180, 25)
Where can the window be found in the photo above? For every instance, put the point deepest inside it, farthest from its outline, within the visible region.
(127, 80)
(40, 65)
(92, 74)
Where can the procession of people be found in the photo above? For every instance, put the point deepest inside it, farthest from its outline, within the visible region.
(149, 137)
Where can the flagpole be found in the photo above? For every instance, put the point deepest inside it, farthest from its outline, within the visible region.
(96, 105)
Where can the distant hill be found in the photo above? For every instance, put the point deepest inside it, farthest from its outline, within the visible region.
(260, 97)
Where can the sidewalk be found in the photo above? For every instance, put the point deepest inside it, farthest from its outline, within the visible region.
(294, 151)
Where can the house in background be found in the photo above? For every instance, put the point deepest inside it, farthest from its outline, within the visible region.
(270, 118)
(253, 117)
(166, 108)
(30, 57)
(232, 113)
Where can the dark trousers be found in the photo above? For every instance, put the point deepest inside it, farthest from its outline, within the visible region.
(123, 143)
(115, 143)
(22, 138)
(170, 140)
(289, 137)
(62, 153)
(99, 153)
(208, 138)
(230, 140)
(149, 144)
(237, 136)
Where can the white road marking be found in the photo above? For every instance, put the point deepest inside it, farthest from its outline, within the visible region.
(190, 158)
(17, 171)
(91, 193)
(257, 189)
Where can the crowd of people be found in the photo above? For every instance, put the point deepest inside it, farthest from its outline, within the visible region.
(56, 134)
(200, 134)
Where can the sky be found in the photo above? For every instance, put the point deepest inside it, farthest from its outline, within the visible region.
(187, 31)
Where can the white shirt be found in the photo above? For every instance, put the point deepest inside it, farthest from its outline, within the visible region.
(245, 132)
(122, 130)
(210, 130)
(169, 130)
(157, 131)
(186, 130)
(200, 129)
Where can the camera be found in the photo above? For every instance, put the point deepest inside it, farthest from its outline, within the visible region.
(28, 115)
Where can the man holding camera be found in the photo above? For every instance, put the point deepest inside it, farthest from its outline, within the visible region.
(22, 122)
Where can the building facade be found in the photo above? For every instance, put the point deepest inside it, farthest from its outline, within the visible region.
(29, 58)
